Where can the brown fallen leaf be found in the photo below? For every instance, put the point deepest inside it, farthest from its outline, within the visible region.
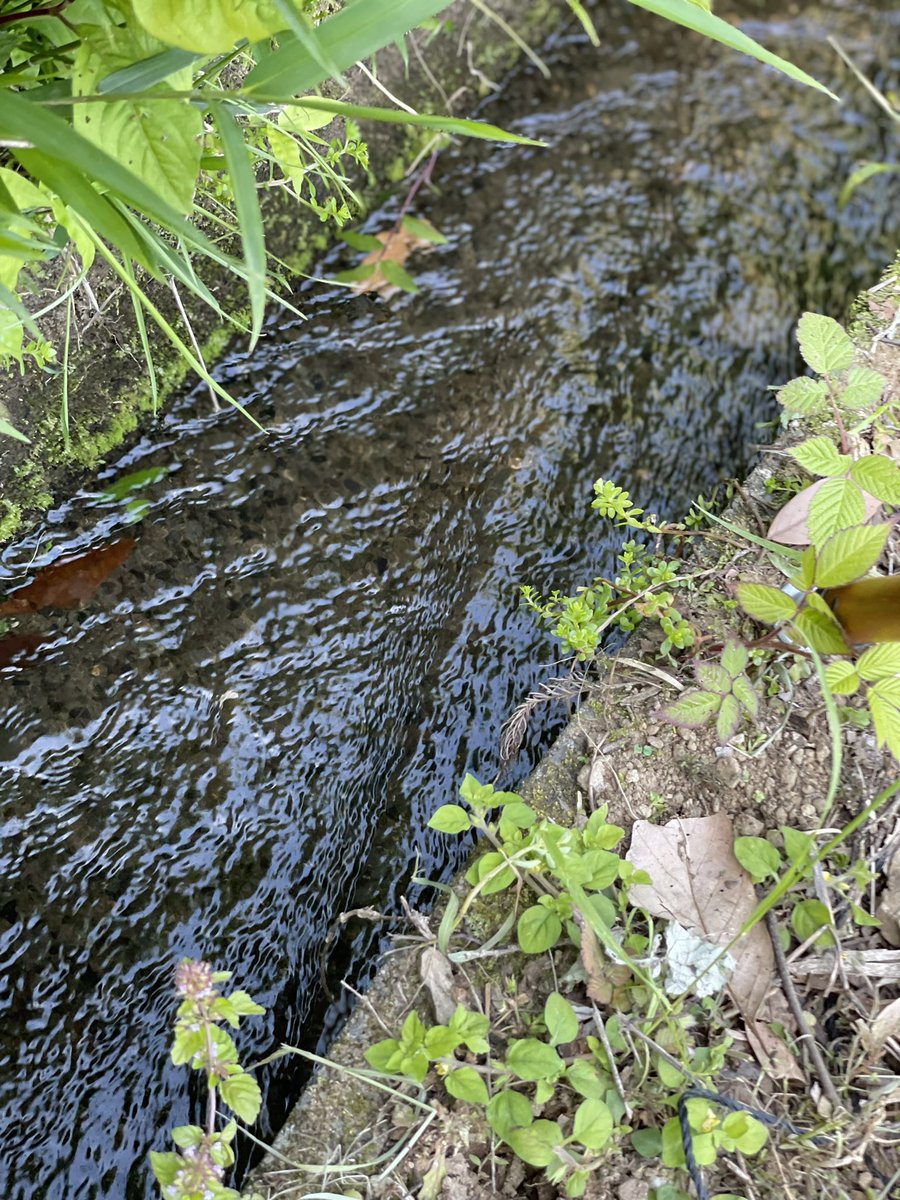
(698, 882)
(70, 583)
(398, 245)
(790, 524)
(886, 1025)
(772, 1054)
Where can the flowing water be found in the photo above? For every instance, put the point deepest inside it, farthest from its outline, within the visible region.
(242, 731)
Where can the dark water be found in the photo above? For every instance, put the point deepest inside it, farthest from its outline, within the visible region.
(243, 732)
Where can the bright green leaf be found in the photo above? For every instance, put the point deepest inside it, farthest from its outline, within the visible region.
(530, 1059)
(758, 857)
(450, 818)
(820, 632)
(863, 389)
(587, 1079)
(466, 1084)
(841, 677)
(506, 1110)
(440, 1041)
(536, 1143)
(208, 26)
(820, 456)
(560, 1019)
(593, 1124)
(824, 344)
(242, 1095)
(850, 554)
(880, 662)
(837, 505)
(808, 916)
(803, 395)
(538, 930)
(766, 603)
(879, 476)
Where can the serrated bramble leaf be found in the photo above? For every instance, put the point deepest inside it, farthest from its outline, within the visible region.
(747, 696)
(879, 476)
(880, 662)
(713, 678)
(538, 929)
(729, 718)
(765, 603)
(242, 1095)
(850, 554)
(692, 710)
(803, 395)
(863, 388)
(820, 456)
(734, 657)
(466, 1084)
(820, 632)
(807, 573)
(244, 1004)
(837, 505)
(824, 344)
(841, 677)
(886, 719)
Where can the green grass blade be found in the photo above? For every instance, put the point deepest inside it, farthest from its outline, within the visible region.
(11, 301)
(136, 77)
(64, 406)
(299, 25)
(145, 341)
(396, 116)
(73, 188)
(10, 431)
(20, 120)
(246, 203)
(587, 24)
(352, 34)
(691, 16)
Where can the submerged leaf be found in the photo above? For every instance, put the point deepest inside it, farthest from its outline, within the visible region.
(70, 583)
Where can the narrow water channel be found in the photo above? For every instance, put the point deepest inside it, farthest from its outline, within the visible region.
(242, 732)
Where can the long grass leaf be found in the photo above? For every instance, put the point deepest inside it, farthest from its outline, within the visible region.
(184, 351)
(298, 23)
(64, 406)
(11, 301)
(691, 16)
(20, 119)
(396, 116)
(145, 341)
(10, 431)
(587, 24)
(246, 203)
(73, 188)
(138, 76)
(352, 34)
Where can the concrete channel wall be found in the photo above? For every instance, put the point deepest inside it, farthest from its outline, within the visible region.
(109, 394)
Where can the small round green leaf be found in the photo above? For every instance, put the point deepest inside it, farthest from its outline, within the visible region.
(539, 928)
(758, 857)
(560, 1019)
(466, 1084)
(531, 1060)
(808, 916)
(593, 1124)
(507, 1110)
(536, 1143)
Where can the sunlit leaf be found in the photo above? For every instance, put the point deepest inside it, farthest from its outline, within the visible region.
(824, 344)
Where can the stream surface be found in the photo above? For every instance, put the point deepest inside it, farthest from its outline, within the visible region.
(243, 732)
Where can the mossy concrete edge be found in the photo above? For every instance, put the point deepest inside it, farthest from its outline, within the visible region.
(335, 1118)
(110, 397)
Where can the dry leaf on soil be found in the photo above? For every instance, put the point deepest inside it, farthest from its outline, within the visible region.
(886, 1025)
(698, 882)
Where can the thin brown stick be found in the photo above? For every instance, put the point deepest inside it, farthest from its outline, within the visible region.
(806, 1037)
